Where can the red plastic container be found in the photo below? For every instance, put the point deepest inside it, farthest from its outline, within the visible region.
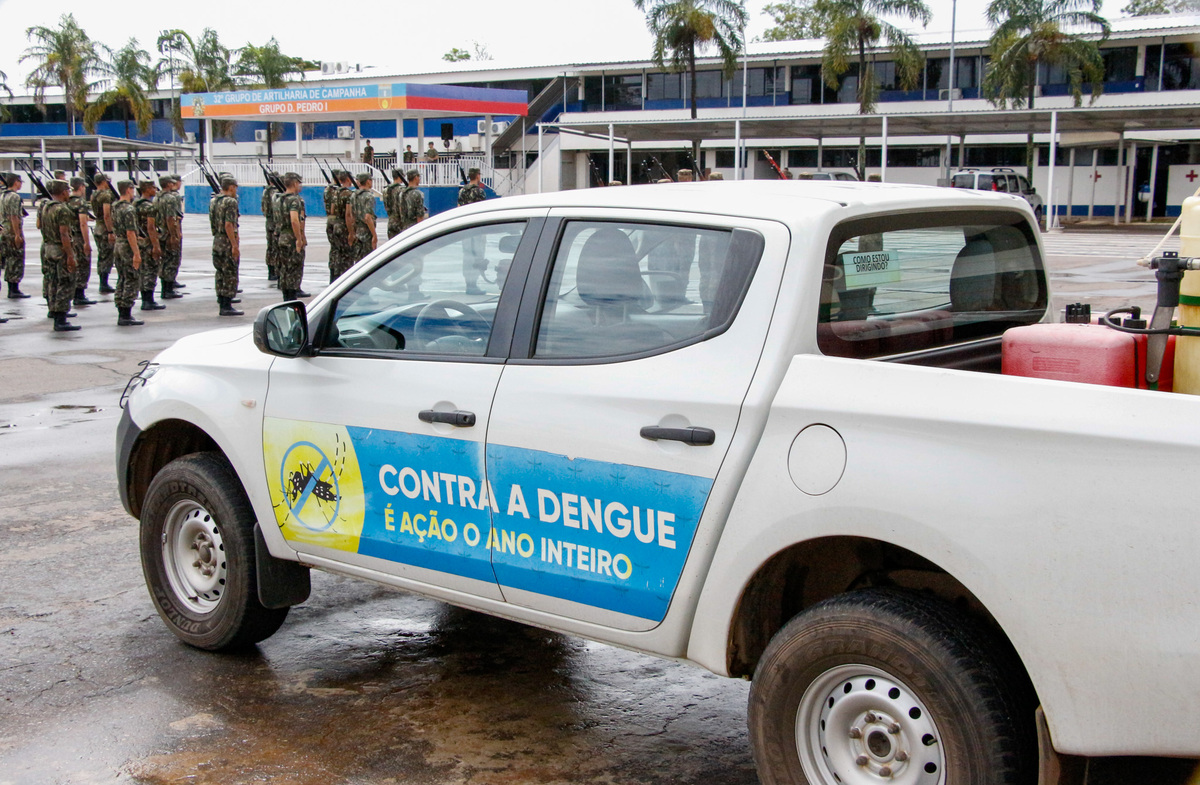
(1166, 377)
(1087, 353)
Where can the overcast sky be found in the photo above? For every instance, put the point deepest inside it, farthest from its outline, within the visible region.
(396, 37)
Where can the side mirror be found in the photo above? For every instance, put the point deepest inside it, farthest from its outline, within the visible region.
(282, 329)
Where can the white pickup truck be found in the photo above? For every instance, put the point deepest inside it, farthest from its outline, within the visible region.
(760, 427)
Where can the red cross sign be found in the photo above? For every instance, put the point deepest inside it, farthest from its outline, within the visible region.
(1191, 176)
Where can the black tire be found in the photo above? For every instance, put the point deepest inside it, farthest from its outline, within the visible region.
(196, 503)
(933, 696)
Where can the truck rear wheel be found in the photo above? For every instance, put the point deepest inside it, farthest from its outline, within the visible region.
(881, 686)
(197, 545)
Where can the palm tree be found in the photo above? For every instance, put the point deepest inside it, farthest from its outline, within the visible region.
(127, 79)
(63, 57)
(266, 66)
(853, 28)
(681, 27)
(4, 87)
(1029, 33)
(201, 65)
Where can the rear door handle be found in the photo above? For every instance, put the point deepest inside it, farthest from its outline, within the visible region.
(699, 437)
(459, 419)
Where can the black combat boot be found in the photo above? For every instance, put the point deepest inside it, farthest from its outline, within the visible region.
(227, 308)
(178, 285)
(300, 293)
(272, 273)
(104, 287)
(81, 298)
(168, 291)
(125, 318)
(61, 325)
(69, 314)
(148, 303)
(15, 293)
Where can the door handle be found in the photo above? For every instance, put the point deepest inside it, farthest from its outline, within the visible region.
(459, 419)
(699, 437)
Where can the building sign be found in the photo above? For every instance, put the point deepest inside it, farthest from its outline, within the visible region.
(341, 99)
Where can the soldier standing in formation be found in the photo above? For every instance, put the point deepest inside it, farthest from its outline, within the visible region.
(13, 238)
(149, 243)
(361, 214)
(226, 250)
(268, 211)
(391, 202)
(170, 220)
(103, 232)
(81, 243)
(292, 238)
(342, 221)
(412, 203)
(59, 254)
(3, 191)
(127, 253)
(474, 260)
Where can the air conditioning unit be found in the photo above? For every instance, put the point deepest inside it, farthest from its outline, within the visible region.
(345, 132)
(341, 67)
(260, 135)
(497, 128)
(328, 68)
(481, 126)
(189, 138)
(946, 95)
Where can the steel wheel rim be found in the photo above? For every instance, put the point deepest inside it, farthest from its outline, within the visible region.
(194, 557)
(859, 725)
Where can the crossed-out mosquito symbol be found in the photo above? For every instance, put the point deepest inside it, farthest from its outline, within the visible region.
(302, 481)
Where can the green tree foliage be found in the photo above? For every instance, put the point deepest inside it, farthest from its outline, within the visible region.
(794, 20)
(126, 80)
(198, 65)
(681, 28)
(853, 30)
(457, 55)
(63, 57)
(1156, 7)
(266, 66)
(4, 88)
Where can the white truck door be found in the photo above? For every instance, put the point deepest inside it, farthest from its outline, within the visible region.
(374, 444)
(636, 343)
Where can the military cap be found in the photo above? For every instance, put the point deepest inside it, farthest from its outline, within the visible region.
(292, 177)
(99, 177)
(411, 173)
(11, 178)
(124, 185)
(685, 172)
(56, 187)
(227, 181)
(397, 173)
(472, 172)
(77, 182)
(166, 180)
(146, 185)
(364, 177)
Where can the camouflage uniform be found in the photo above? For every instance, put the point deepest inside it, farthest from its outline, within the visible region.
(391, 203)
(339, 240)
(364, 218)
(83, 255)
(291, 261)
(470, 194)
(125, 220)
(170, 206)
(104, 244)
(474, 262)
(146, 209)
(39, 209)
(412, 207)
(224, 209)
(12, 256)
(271, 220)
(60, 281)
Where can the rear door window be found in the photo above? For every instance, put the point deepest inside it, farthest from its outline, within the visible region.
(918, 282)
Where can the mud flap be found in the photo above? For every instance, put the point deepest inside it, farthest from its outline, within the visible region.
(281, 583)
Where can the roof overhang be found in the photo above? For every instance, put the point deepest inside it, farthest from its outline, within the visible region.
(35, 145)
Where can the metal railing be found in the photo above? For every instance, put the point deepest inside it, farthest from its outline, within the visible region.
(247, 171)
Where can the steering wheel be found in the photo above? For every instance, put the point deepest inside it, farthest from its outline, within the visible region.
(439, 310)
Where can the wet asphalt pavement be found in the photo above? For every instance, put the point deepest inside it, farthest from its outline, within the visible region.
(362, 684)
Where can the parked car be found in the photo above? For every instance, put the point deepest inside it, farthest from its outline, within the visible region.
(841, 176)
(756, 426)
(1002, 180)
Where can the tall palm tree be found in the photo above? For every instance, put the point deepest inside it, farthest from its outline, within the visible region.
(266, 66)
(4, 88)
(200, 65)
(1029, 33)
(63, 57)
(853, 29)
(127, 79)
(682, 27)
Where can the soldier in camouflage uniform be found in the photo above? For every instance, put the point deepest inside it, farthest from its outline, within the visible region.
(170, 223)
(12, 238)
(272, 221)
(412, 203)
(127, 254)
(362, 212)
(226, 251)
(391, 202)
(81, 240)
(3, 190)
(149, 242)
(57, 218)
(103, 230)
(342, 222)
(292, 237)
(474, 261)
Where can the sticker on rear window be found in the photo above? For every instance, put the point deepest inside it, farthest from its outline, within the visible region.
(871, 268)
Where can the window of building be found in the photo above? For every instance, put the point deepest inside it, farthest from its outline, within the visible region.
(847, 157)
(623, 91)
(885, 76)
(938, 73)
(804, 158)
(1062, 156)
(1181, 67)
(915, 156)
(664, 87)
(710, 84)
(593, 92)
(1120, 64)
(760, 82)
(806, 84)
(999, 155)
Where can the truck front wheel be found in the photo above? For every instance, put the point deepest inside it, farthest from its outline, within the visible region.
(197, 545)
(884, 686)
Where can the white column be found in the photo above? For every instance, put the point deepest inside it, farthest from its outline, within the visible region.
(1130, 166)
(208, 137)
(1071, 184)
(299, 142)
(629, 161)
(1048, 207)
(357, 141)
(100, 154)
(1095, 171)
(487, 142)
(612, 154)
(1120, 187)
(45, 165)
(737, 149)
(1153, 179)
(883, 153)
(400, 142)
(541, 168)
(820, 150)
(420, 137)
